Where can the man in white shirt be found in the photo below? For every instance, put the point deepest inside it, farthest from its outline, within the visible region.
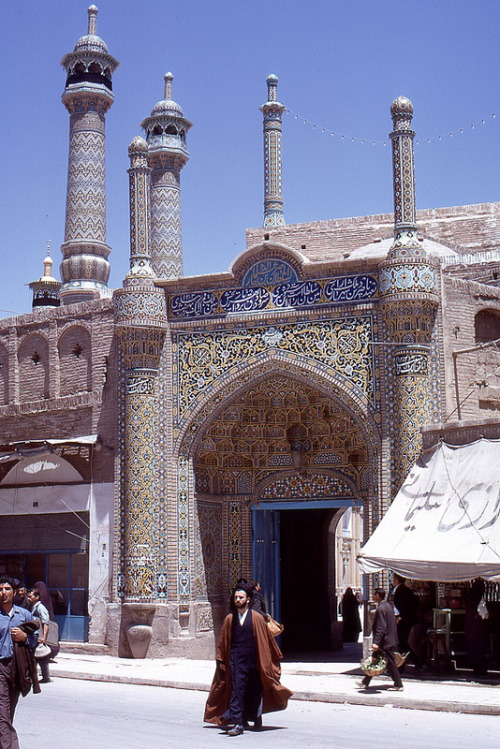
(41, 613)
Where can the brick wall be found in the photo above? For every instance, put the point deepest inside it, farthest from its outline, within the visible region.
(75, 360)
(58, 374)
(472, 227)
(477, 372)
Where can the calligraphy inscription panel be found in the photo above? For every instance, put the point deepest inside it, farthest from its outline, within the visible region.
(289, 295)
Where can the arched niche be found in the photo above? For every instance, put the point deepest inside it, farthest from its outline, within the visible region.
(33, 358)
(75, 361)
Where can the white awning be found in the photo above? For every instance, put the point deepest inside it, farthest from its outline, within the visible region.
(444, 523)
(17, 449)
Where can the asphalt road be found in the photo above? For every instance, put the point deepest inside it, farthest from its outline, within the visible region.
(73, 714)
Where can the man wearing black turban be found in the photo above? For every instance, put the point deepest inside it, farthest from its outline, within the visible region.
(246, 681)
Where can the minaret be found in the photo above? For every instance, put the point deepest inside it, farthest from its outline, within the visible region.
(273, 190)
(409, 300)
(87, 97)
(166, 130)
(141, 317)
(46, 289)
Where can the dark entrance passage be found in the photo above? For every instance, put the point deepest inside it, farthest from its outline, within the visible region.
(306, 608)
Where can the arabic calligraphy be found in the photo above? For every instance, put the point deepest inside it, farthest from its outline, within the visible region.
(411, 363)
(476, 507)
(292, 293)
(350, 288)
(199, 304)
(297, 294)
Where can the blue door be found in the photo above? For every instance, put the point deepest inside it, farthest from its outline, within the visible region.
(266, 557)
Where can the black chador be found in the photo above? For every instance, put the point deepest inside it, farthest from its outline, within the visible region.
(246, 688)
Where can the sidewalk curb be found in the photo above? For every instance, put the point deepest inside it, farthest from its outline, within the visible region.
(341, 698)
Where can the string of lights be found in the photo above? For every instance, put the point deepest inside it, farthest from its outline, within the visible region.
(373, 142)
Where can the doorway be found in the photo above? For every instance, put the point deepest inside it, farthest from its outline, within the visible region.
(294, 560)
(305, 599)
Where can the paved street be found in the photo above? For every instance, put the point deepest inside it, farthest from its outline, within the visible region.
(78, 714)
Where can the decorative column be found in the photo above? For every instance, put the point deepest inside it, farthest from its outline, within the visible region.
(273, 190)
(87, 97)
(409, 300)
(166, 130)
(140, 313)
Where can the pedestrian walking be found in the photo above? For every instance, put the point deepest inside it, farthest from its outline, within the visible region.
(406, 611)
(385, 639)
(43, 652)
(247, 674)
(12, 619)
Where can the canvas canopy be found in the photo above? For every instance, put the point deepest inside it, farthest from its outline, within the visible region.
(444, 523)
(25, 447)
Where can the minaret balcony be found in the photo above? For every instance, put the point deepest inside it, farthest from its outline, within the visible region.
(169, 143)
(89, 78)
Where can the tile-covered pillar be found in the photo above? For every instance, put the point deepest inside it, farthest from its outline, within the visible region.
(273, 189)
(409, 297)
(87, 96)
(166, 129)
(140, 314)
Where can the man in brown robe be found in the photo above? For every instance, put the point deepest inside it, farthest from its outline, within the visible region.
(247, 674)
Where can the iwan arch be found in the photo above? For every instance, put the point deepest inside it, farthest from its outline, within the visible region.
(259, 403)
(272, 379)
(274, 465)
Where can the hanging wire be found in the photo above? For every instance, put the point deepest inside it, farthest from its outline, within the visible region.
(374, 142)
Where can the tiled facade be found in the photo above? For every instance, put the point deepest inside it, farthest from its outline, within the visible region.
(301, 377)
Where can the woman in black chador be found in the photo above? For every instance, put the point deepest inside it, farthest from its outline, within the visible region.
(258, 603)
(350, 616)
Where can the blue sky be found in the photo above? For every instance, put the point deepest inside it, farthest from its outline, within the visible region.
(340, 64)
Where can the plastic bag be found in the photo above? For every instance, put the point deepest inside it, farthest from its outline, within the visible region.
(482, 609)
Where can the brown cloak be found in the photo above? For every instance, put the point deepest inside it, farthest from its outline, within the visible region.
(274, 695)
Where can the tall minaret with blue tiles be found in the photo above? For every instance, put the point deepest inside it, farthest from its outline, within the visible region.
(408, 284)
(87, 96)
(166, 129)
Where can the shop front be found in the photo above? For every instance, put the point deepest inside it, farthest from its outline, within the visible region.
(442, 533)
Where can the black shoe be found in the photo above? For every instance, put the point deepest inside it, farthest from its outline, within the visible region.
(361, 684)
(44, 681)
(257, 724)
(236, 731)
